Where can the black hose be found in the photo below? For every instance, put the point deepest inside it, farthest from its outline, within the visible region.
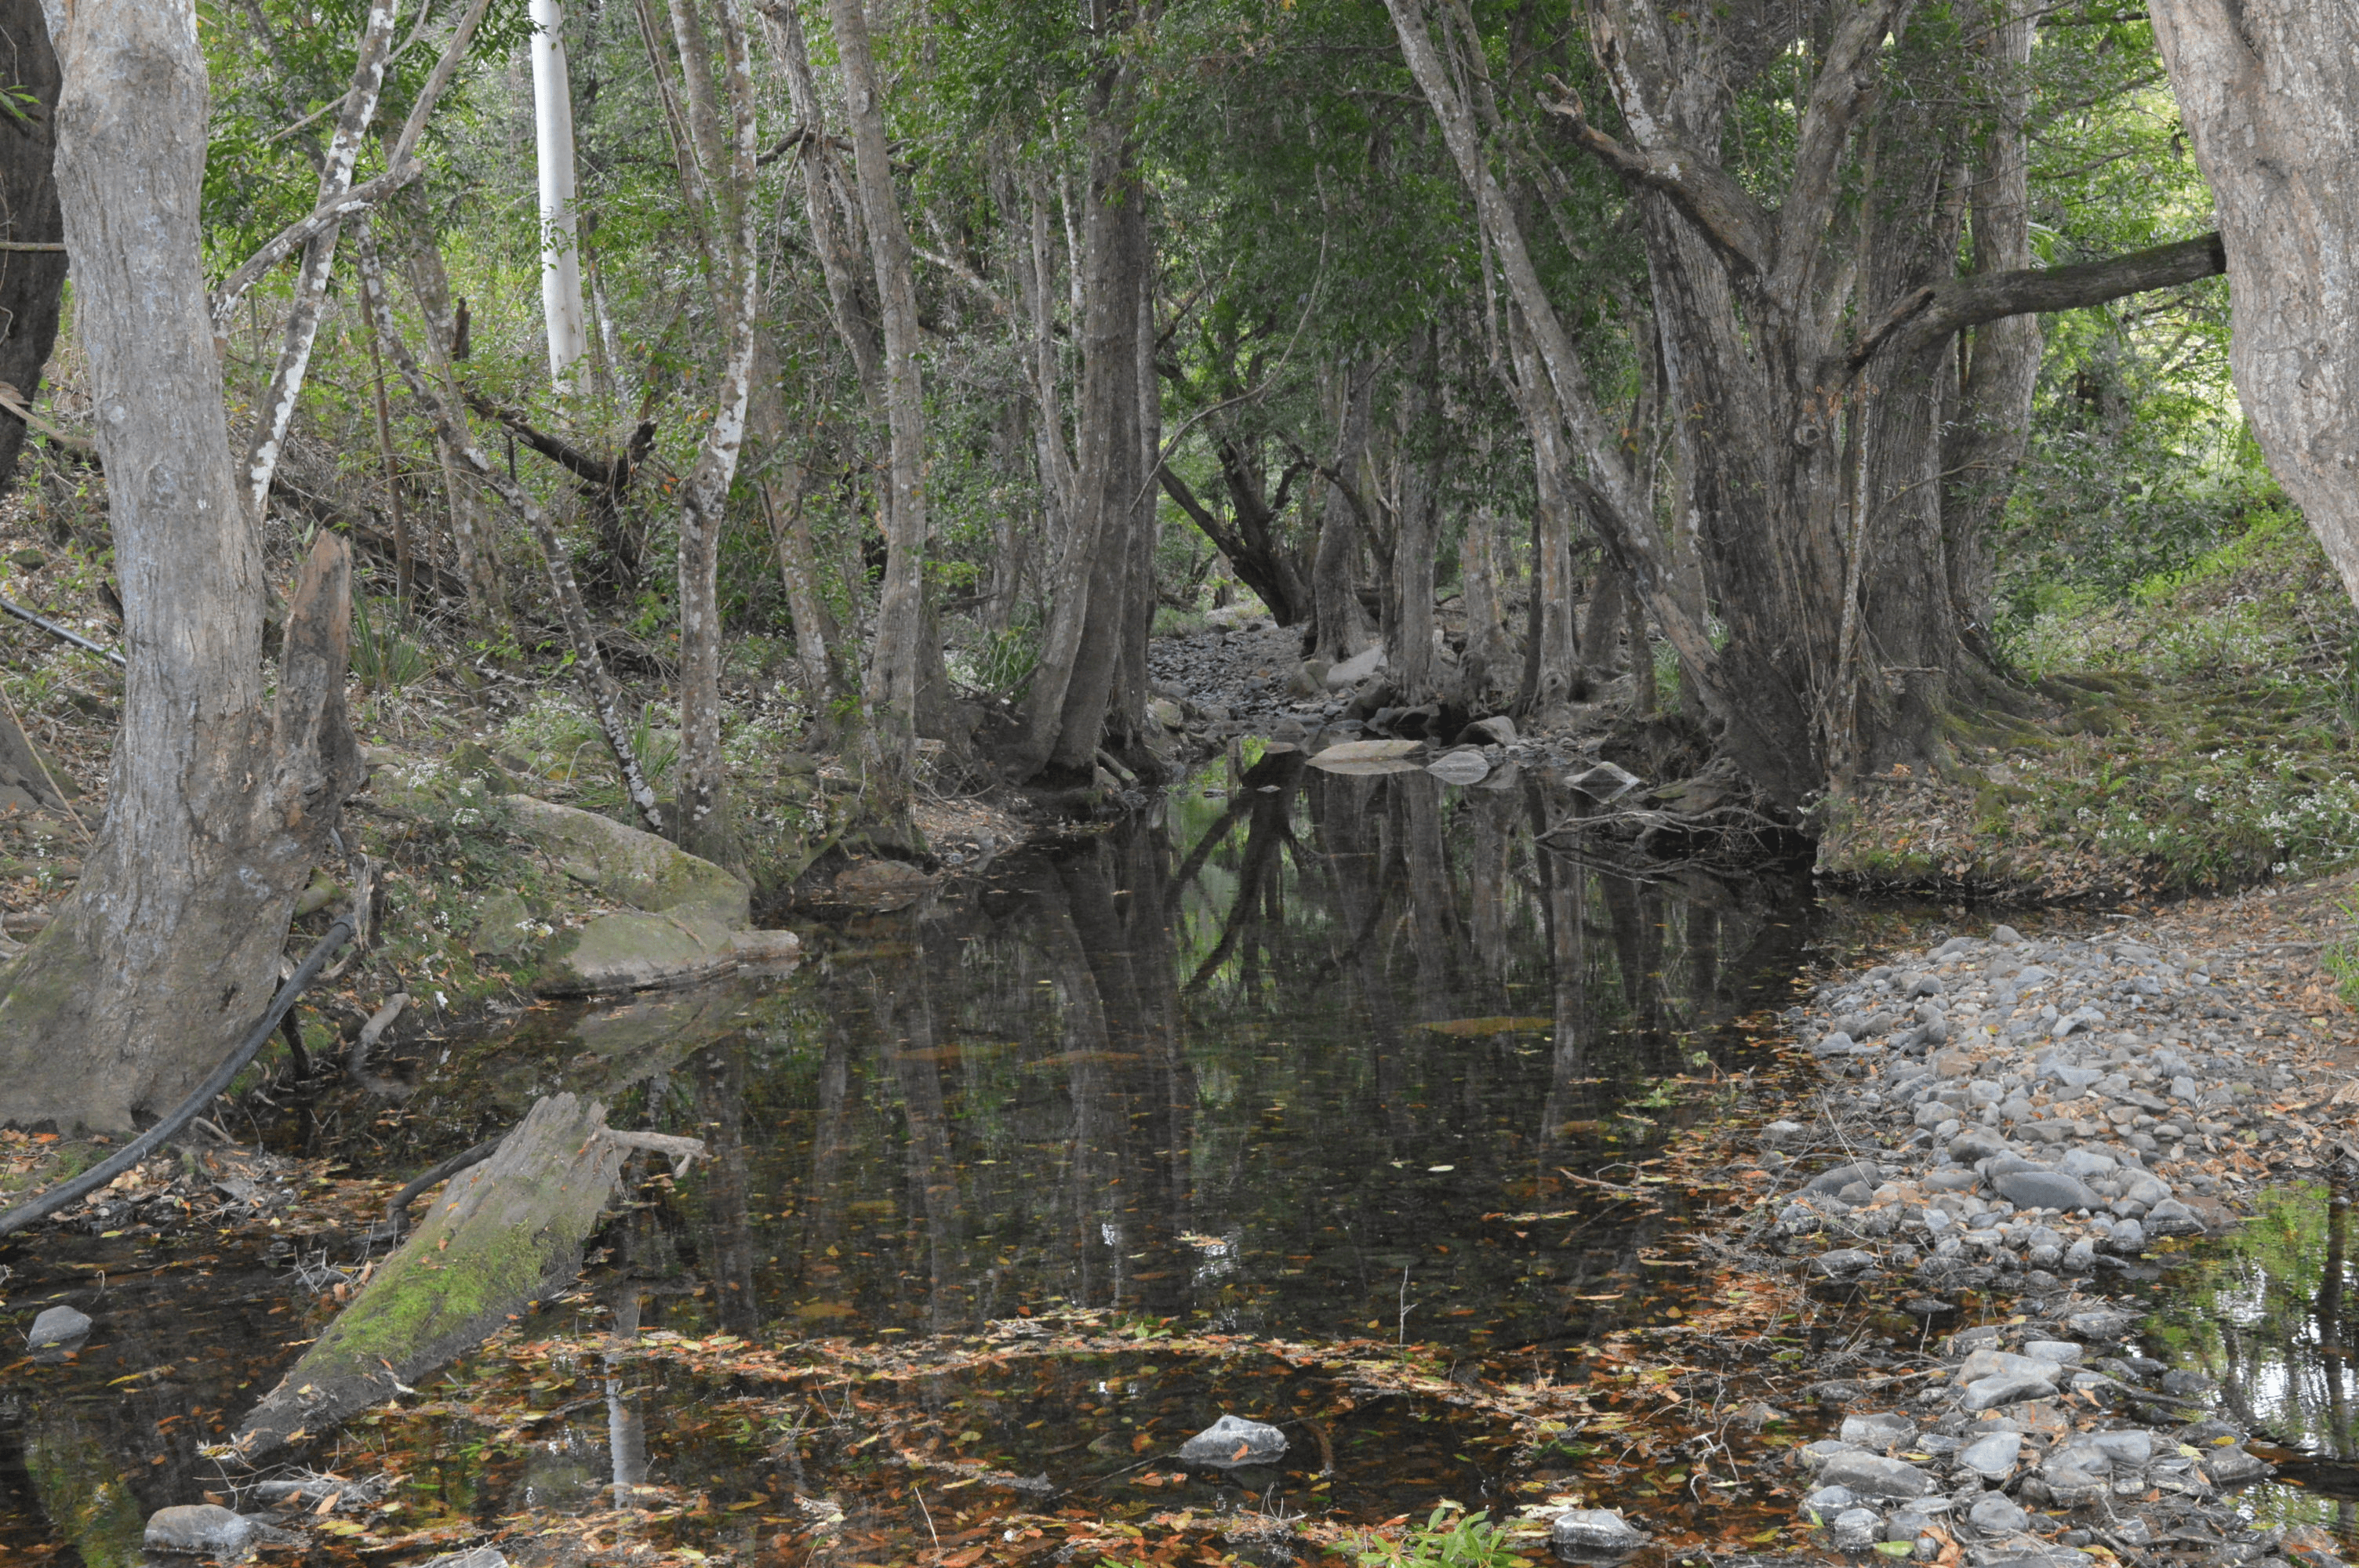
(54, 630)
(139, 1148)
(397, 1211)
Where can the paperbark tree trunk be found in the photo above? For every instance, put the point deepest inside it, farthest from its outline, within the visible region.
(702, 823)
(894, 664)
(2270, 94)
(567, 324)
(31, 281)
(218, 809)
(1986, 444)
(1343, 628)
(1413, 535)
(278, 408)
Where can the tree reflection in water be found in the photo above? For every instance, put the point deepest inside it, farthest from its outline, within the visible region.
(1266, 1060)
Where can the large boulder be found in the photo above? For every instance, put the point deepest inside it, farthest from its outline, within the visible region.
(628, 866)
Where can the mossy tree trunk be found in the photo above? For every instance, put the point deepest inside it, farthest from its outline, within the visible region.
(218, 809)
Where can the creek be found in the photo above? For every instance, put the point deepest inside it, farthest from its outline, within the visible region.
(1297, 1058)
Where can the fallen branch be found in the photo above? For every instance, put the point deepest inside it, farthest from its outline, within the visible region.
(396, 1208)
(682, 1151)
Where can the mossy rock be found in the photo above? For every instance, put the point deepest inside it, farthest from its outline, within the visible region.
(506, 928)
(627, 866)
(635, 951)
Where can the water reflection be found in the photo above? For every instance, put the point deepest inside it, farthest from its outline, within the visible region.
(2265, 1317)
(1301, 1055)
(1268, 1059)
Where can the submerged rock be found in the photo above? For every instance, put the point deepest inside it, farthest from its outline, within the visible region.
(57, 1325)
(1595, 1532)
(1231, 1441)
(199, 1528)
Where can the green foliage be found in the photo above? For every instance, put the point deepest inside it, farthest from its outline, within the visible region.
(384, 658)
(1446, 1541)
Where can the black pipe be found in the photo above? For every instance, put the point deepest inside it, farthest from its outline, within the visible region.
(54, 630)
(98, 1175)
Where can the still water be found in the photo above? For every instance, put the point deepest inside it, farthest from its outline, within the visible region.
(1276, 1060)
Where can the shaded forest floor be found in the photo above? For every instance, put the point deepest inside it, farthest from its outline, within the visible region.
(2199, 738)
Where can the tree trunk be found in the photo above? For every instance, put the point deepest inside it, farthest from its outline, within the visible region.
(701, 825)
(1416, 530)
(1343, 628)
(1483, 666)
(562, 316)
(894, 661)
(1065, 717)
(2270, 94)
(823, 204)
(217, 811)
(1552, 650)
(278, 408)
(1986, 444)
(31, 281)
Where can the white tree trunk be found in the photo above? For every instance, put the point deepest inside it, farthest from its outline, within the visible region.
(560, 253)
(277, 410)
(2270, 94)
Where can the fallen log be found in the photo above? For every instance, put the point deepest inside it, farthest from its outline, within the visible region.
(505, 1233)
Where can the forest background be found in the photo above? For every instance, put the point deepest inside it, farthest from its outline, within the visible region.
(1810, 383)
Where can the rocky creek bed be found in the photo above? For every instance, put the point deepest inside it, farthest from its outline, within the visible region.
(2039, 1121)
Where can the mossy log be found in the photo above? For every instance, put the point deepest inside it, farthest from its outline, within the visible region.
(504, 1234)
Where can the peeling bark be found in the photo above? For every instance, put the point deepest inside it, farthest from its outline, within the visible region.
(2270, 94)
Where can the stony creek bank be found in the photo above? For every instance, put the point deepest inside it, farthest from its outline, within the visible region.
(2039, 1124)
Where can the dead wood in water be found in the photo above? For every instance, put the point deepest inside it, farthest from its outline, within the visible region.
(507, 1233)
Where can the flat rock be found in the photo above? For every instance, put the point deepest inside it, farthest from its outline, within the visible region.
(1883, 1431)
(1357, 668)
(1466, 767)
(2005, 1389)
(1873, 1476)
(1595, 1532)
(57, 1325)
(629, 950)
(1997, 1515)
(1856, 1527)
(199, 1528)
(1233, 1441)
(2045, 1189)
(2231, 1467)
(2002, 1363)
(1992, 1457)
(626, 864)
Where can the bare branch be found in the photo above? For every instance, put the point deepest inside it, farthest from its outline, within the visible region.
(1925, 316)
(1700, 189)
